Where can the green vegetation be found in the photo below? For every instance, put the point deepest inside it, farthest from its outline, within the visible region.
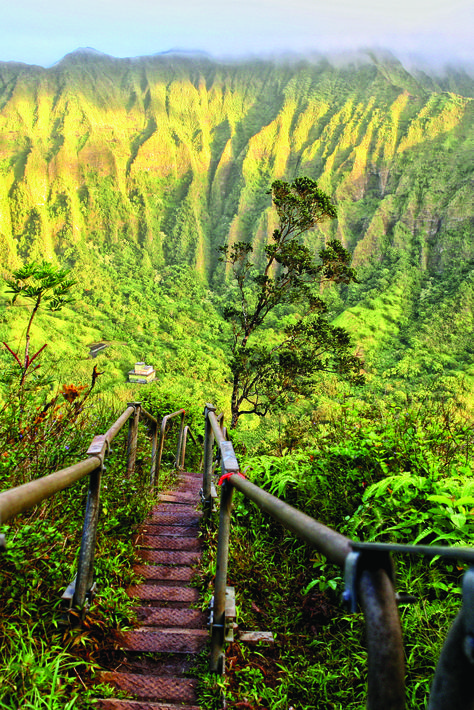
(391, 473)
(129, 177)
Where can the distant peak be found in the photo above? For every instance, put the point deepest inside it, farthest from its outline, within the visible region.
(83, 54)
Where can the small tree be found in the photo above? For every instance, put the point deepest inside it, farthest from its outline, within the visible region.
(41, 285)
(267, 375)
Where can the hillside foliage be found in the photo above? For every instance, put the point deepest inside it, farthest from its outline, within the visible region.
(132, 178)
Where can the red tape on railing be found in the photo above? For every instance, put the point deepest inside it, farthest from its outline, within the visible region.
(225, 476)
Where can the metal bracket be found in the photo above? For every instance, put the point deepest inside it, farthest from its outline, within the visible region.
(230, 615)
(97, 444)
(355, 563)
(349, 595)
(228, 461)
(468, 613)
(68, 596)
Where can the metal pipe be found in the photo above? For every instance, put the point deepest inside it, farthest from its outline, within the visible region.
(209, 414)
(147, 415)
(187, 430)
(110, 435)
(18, 499)
(164, 422)
(180, 440)
(154, 443)
(85, 566)
(132, 438)
(452, 684)
(386, 665)
(183, 446)
(330, 543)
(218, 626)
(214, 422)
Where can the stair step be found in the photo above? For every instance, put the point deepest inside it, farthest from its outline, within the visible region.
(170, 557)
(174, 640)
(153, 687)
(174, 517)
(179, 498)
(164, 507)
(159, 572)
(115, 704)
(164, 616)
(155, 592)
(173, 530)
(165, 542)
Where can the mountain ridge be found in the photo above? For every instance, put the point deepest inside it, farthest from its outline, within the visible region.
(166, 158)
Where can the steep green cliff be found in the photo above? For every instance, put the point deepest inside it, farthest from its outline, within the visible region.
(121, 168)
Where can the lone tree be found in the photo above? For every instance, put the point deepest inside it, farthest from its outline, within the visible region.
(266, 375)
(42, 285)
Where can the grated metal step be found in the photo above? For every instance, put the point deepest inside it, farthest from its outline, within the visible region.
(174, 530)
(155, 592)
(176, 508)
(170, 557)
(176, 574)
(166, 542)
(151, 687)
(158, 616)
(181, 498)
(173, 518)
(115, 704)
(163, 641)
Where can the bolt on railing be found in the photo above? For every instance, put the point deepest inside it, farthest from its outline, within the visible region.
(368, 581)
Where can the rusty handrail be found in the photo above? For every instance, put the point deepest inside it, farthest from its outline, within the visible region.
(369, 580)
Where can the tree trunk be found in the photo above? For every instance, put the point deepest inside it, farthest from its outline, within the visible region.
(234, 405)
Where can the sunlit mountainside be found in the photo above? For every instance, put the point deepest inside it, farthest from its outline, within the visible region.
(135, 171)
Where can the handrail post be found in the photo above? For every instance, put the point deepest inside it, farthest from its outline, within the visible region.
(217, 660)
(85, 567)
(132, 437)
(154, 445)
(452, 684)
(183, 447)
(208, 449)
(180, 441)
(386, 662)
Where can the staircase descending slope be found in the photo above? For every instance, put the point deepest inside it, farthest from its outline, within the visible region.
(171, 631)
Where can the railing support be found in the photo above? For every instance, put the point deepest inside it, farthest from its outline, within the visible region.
(164, 424)
(132, 437)
(386, 676)
(217, 662)
(208, 450)
(85, 568)
(452, 684)
(154, 443)
(180, 442)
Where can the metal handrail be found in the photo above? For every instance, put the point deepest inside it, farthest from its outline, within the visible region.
(187, 431)
(16, 500)
(164, 424)
(369, 581)
(21, 498)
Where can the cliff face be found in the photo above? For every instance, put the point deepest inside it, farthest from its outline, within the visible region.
(165, 158)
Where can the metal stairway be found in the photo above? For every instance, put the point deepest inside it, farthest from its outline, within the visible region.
(172, 632)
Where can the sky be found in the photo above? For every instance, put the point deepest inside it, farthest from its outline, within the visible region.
(43, 31)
